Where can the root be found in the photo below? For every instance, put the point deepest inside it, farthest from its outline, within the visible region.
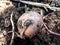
(12, 29)
(51, 32)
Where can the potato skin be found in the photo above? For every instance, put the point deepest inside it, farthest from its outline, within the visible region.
(33, 28)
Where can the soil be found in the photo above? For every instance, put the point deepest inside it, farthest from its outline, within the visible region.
(52, 20)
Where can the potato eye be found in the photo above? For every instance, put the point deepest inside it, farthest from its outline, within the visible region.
(27, 22)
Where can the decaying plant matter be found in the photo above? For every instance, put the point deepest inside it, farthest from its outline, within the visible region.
(6, 21)
(4, 5)
(3, 37)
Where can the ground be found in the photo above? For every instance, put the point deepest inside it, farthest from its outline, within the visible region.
(52, 21)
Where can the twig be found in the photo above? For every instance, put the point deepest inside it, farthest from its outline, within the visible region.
(9, 32)
(12, 28)
(41, 5)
